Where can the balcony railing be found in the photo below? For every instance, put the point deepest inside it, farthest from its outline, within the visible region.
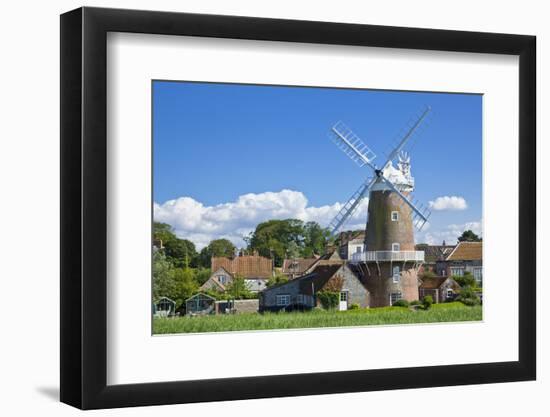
(388, 255)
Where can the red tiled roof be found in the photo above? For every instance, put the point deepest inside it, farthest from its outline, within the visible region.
(467, 251)
(247, 266)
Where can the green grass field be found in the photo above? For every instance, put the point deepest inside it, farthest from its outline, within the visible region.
(448, 312)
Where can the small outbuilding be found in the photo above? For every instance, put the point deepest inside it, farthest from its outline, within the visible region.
(441, 289)
(164, 307)
(200, 304)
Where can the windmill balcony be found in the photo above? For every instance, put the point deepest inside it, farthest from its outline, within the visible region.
(389, 256)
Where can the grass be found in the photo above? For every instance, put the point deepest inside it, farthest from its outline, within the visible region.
(447, 312)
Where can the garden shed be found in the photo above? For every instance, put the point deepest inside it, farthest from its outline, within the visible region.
(200, 304)
(165, 307)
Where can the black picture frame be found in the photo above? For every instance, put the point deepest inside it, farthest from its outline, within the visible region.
(84, 207)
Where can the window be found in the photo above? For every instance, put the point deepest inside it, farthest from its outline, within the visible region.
(450, 293)
(222, 279)
(394, 296)
(283, 300)
(395, 247)
(358, 249)
(457, 271)
(478, 275)
(394, 216)
(396, 273)
(344, 296)
(300, 299)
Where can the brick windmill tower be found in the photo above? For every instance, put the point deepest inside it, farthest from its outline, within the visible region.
(389, 261)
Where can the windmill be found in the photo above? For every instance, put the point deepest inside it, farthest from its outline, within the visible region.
(389, 254)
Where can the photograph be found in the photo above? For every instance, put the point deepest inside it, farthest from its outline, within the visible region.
(288, 207)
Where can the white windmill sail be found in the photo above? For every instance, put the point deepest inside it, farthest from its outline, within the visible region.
(362, 155)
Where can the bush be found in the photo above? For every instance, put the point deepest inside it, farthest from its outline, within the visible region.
(401, 303)
(468, 297)
(354, 307)
(415, 303)
(427, 302)
(329, 299)
(467, 280)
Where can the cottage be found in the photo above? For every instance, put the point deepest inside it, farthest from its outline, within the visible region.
(441, 289)
(465, 257)
(256, 271)
(296, 267)
(301, 292)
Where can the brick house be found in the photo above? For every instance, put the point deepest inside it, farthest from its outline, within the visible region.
(301, 292)
(465, 257)
(441, 289)
(256, 271)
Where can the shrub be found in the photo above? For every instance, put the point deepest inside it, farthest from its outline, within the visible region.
(415, 303)
(427, 302)
(467, 280)
(329, 299)
(401, 303)
(468, 297)
(354, 306)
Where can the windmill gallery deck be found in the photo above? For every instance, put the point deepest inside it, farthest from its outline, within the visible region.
(253, 229)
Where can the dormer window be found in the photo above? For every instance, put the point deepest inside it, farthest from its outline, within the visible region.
(394, 216)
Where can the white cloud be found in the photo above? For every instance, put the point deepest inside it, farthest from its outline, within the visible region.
(448, 203)
(233, 220)
(450, 233)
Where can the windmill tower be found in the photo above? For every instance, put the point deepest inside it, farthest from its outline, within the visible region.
(389, 261)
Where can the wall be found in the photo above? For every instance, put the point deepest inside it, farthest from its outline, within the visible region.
(29, 174)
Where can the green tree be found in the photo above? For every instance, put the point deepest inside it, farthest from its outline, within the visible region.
(216, 248)
(202, 275)
(238, 290)
(185, 283)
(274, 238)
(180, 252)
(315, 239)
(469, 236)
(163, 282)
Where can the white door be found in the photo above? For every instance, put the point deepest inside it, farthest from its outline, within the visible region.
(343, 301)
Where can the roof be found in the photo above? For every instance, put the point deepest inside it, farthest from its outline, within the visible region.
(297, 266)
(319, 276)
(434, 253)
(432, 282)
(200, 294)
(467, 251)
(247, 266)
(350, 235)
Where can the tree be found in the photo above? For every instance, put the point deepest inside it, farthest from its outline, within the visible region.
(185, 283)
(163, 283)
(469, 236)
(278, 239)
(316, 239)
(238, 290)
(180, 252)
(216, 248)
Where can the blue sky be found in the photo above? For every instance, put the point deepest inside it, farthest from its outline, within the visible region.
(214, 143)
